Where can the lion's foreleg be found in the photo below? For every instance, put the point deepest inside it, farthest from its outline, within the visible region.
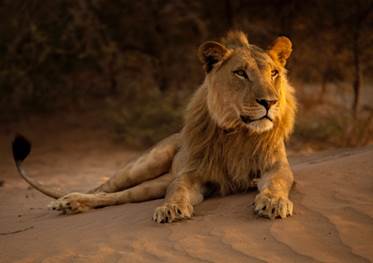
(148, 166)
(274, 187)
(77, 202)
(182, 194)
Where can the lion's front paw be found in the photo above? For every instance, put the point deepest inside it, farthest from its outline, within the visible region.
(168, 213)
(271, 206)
(71, 203)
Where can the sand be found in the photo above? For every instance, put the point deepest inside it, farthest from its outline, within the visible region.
(333, 220)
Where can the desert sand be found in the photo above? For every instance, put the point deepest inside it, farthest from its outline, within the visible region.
(333, 220)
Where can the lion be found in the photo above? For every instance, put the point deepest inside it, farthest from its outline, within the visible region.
(233, 140)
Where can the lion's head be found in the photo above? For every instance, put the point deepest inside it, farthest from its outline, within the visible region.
(246, 85)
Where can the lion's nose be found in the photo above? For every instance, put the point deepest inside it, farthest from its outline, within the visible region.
(266, 103)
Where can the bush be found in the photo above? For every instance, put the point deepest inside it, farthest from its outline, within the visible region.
(145, 121)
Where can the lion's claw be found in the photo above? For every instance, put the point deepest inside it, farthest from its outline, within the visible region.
(71, 203)
(268, 205)
(169, 213)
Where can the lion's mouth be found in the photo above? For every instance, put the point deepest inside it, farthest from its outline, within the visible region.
(246, 119)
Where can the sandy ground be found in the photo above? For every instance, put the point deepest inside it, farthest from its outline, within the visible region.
(333, 219)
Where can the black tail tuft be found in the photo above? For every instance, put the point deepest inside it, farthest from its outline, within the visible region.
(21, 148)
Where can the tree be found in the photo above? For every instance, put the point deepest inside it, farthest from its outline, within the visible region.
(362, 10)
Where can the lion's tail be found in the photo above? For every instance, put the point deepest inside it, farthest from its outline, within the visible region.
(21, 149)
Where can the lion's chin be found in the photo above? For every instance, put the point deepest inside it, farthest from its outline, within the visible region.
(260, 126)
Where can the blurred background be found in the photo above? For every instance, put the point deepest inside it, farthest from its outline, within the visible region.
(129, 67)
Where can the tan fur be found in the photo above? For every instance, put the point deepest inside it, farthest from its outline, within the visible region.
(225, 147)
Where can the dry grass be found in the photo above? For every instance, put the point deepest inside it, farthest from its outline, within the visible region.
(329, 123)
(145, 121)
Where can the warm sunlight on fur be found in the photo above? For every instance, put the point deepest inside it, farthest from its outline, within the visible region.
(247, 86)
(233, 139)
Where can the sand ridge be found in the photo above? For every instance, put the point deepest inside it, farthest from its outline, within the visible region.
(333, 219)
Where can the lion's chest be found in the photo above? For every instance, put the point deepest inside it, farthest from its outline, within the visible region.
(243, 174)
(237, 172)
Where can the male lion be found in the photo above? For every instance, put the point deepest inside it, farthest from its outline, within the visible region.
(233, 140)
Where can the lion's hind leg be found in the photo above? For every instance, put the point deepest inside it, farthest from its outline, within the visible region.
(150, 165)
(78, 202)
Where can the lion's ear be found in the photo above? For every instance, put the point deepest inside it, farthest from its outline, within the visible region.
(281, 49)
(210, 53)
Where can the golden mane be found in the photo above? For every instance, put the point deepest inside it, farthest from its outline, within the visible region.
(211, 147)
(235, 39)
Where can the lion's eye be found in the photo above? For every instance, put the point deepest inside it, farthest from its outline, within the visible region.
(241, 74)
(274, 73)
